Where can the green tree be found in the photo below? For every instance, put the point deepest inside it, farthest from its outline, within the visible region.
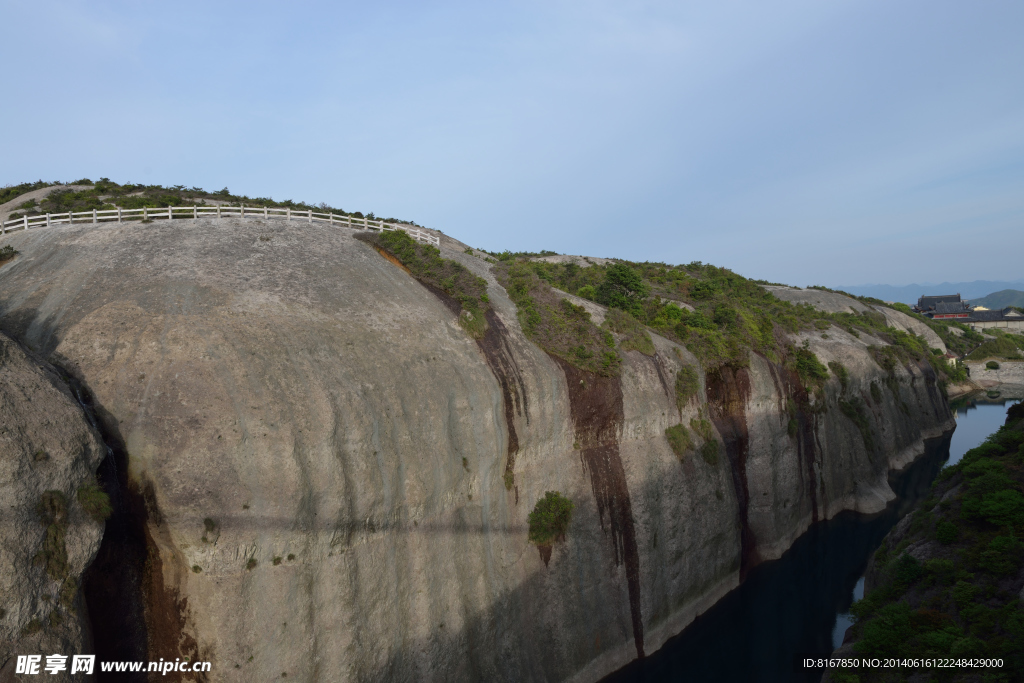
(623, 288)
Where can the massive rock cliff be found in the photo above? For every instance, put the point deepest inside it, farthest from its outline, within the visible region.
(48, 452)
(315, 454)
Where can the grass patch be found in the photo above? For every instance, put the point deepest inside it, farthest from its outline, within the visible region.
(687, 386)
(811, 371)
(841, 373)
(550, 518)
(556, 324)
(251, 564)
(1005, 346)
(7, 252)
(636, 336)
(425, 263)
(992, 365)
(95, 501)
(855, 410)
(53, 514)
(709, 451)
(679, 439)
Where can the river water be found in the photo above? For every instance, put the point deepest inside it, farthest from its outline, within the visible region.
(797, 606)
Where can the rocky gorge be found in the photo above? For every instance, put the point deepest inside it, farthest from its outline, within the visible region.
(308, 456)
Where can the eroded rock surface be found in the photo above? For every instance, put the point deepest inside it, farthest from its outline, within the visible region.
(321, 453)
(48, 450)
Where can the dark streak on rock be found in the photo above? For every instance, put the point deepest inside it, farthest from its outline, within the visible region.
(502, 362)
(596, 406)
(132, 613)
(728, 390)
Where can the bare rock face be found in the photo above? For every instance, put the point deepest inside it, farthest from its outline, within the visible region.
(317, 453)
(48, 450)
(834, 302)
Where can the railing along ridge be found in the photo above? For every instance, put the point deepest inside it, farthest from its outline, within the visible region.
(195, 212)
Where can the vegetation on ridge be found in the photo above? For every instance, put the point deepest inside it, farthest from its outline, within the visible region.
(948, 584)
(106, 194)
(425, 263)
(555, 324)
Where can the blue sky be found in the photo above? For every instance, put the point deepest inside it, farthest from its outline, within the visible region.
(802, 142)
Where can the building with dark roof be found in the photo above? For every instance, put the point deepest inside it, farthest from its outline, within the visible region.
(1009, 319)
(928, 303)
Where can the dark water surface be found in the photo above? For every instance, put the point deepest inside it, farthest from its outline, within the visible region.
(795, 606)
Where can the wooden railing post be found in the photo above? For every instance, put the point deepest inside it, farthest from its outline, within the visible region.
(218, 211)
(289, 213)
(26, 222)
(170, 216)
(145, 214)
(119, 214)
(94, 215)
(243, 211)
(266, 214)
(311, 215)
(47, 220)
(195, 212)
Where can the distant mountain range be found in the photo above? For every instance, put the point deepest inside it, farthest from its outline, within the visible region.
(909, 294)
(1002, 299)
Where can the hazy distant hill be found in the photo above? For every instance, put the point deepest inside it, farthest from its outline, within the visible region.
(1007, 297)
(909, 294)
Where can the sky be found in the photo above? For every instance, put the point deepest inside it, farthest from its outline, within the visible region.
(804, 142)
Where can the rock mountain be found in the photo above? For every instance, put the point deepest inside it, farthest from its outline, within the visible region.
(307, 454)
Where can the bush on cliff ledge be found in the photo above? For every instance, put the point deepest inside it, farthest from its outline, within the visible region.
(550, 518)
(424, 262)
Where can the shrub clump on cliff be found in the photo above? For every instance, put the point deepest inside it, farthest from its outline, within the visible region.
(95, 502)
(636, 336)
(7, 252)
(424, 262)
(946, 582)
(556, 324)
(550, 518)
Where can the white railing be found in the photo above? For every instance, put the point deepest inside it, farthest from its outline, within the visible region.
(194, 212)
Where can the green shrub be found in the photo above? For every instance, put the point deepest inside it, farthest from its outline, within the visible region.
(53, 513)
(679, 440)
(992, 365)
(556, 324)
(637, 337)
(709, 451)
(587, 292)
(95, 501)
(7, 252)
(854, 409)
(841, 373)
(946, 532)
(251, 564)
(424, 262)
(550, 518)
(808, 367)
(1002, 556)
(623, 288)
(687, 386)
(703, 428)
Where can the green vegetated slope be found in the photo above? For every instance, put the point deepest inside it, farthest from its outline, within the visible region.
(425, 263)
(106, 194)
(1001, 299)
(1005, 345)
(718, 315)
(948, 583)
